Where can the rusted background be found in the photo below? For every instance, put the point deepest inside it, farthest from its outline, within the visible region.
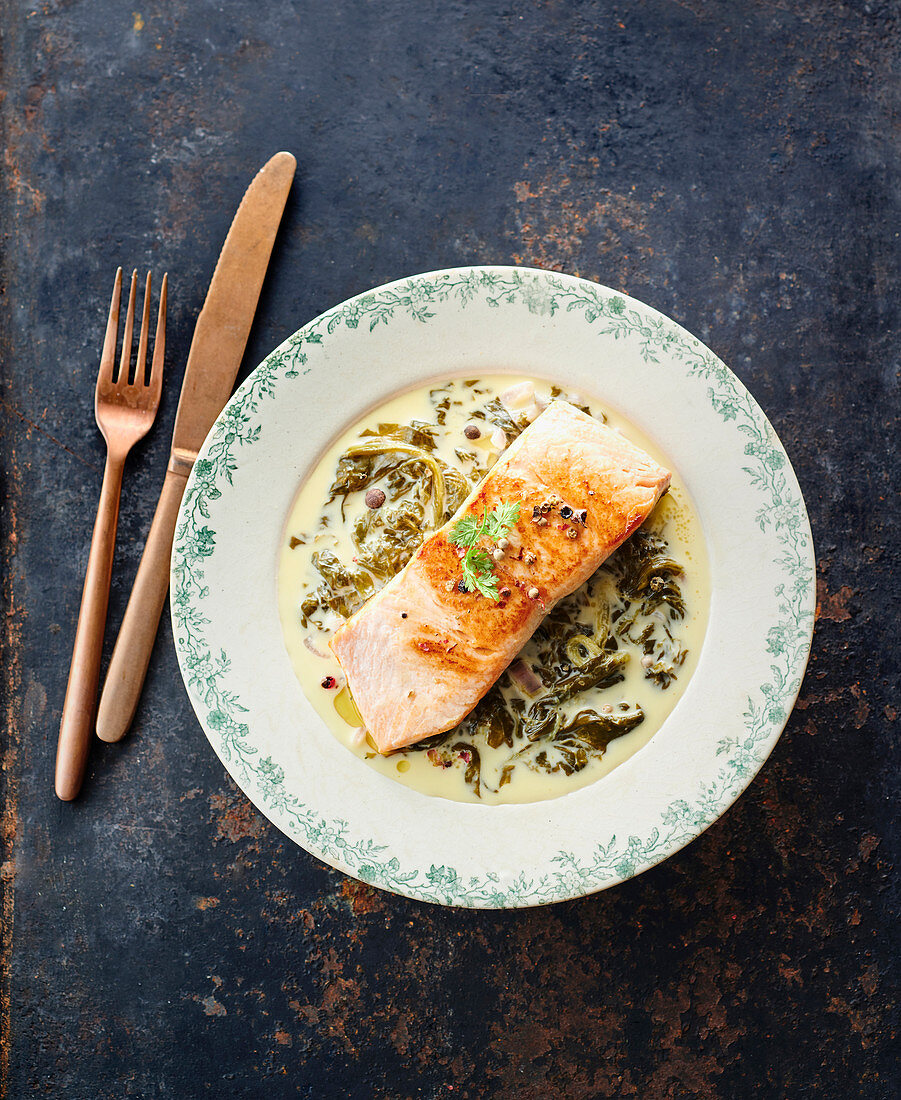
(734, 165)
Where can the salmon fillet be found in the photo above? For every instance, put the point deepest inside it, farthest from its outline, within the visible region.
(420, 653)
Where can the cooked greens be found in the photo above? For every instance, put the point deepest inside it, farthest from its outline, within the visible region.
(541, 737)
(650, 601)
(345, 589)
(500, 416)
(573, 745)
(385, 540)
(545, 717)
(359, 468)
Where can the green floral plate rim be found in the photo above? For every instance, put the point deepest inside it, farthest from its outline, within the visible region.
(540, 320)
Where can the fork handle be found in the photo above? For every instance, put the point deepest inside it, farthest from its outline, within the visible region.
(84, 672)
(131, 654)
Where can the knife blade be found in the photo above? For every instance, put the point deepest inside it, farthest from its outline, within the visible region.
(217, 348)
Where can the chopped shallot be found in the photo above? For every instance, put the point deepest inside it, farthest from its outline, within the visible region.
(523, 675)
(309, 644)
(517, 396)
(499, 439)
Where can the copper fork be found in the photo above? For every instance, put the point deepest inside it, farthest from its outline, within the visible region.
(125, 406)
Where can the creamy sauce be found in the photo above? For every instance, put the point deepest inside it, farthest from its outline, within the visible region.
(674, 518)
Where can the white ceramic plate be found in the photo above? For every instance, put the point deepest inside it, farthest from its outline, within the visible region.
(467, 321)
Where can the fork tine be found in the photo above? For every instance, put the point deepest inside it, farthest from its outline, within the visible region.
(159, 343)
(141, 362)
(108, 355)
(122, 376)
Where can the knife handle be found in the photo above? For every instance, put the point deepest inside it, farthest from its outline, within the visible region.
(131, 654)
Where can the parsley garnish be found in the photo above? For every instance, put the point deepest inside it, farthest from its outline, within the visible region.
(478, 565)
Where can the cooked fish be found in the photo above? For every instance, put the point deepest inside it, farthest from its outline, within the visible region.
(421, 653)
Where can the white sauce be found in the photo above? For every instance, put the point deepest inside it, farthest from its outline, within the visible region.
(674, 518)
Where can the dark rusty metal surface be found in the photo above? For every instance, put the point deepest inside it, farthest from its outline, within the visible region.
(736, 166)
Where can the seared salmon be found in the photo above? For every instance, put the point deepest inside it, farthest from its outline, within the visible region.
(421, 653)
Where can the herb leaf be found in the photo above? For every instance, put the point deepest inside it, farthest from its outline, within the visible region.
(478, 565)
(467, 531)
(501, 519)
(478, 573)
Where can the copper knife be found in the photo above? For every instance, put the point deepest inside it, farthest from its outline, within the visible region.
(220, 338)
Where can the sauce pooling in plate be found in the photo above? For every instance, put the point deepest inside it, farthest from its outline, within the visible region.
(598, 677)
